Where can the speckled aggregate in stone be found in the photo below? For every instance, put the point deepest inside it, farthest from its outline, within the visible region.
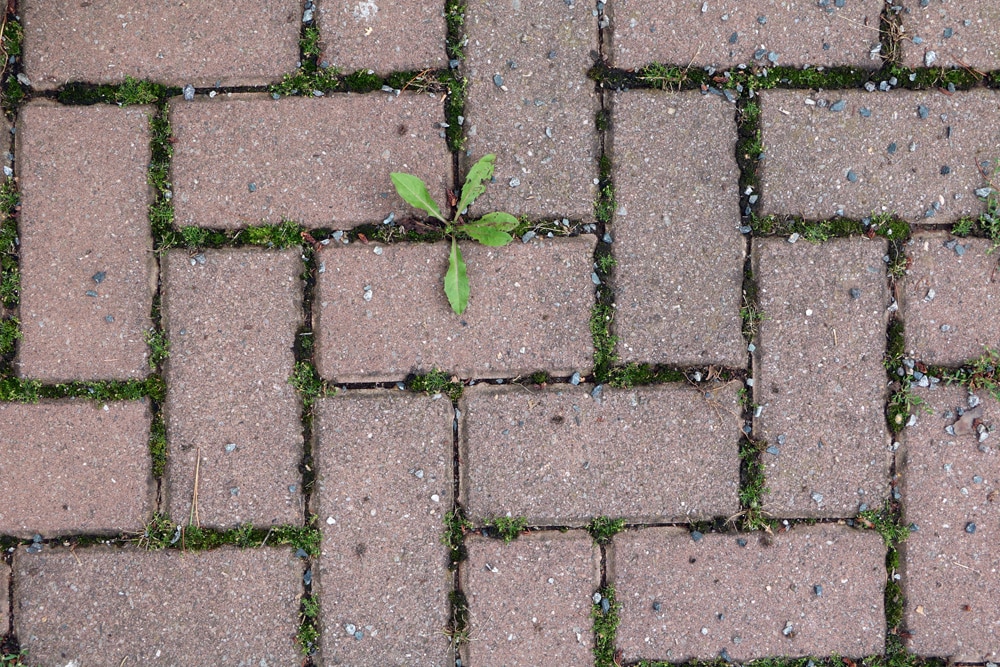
(84, 200)
(676, 230)
(241, 160)
(384, 482)
(529, 309)
(951, 575)
(700, 34)
(198, 42)
(231, 322)
(560, 457)
(684, 600)
(897, 157)
(531, 598)
(109, 607)
(4, 595)
(74, 466)
(819, 377)
(950, 302)
(972, 26)
(540, 124)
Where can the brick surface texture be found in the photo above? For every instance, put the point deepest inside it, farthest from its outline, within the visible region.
(384, 483)
(87, 273)
(4, 595)
(958, 35)
(735, 595)
(232, 322)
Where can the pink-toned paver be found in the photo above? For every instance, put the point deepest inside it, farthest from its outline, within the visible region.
(950, 299)
(951, 495)
(241, 160)
(231, 317)
(531, 598)
(74, 466)
(111, 606)
(530, 102)
(386, 37)
(88, 273)
(963, 34)
(4, 595)
(677, 241)
(728, 33)
(198, 42)
(820, 163)
(816, 590)
(381, 312)
(561, 457)
(818, 375)
(383, 485)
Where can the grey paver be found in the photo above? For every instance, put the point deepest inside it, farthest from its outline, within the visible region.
(726, 34)
(950, 301)
(386, 37)
(117, 606)
(384, 316)
(558, 457)
(686, 600)
(897, 157)
(951, 493)
(531, 598)
(959, 35)
(74, 466)
(676, 231)
(323, 162)
(384, 483)
(4, 595)
(819, 377)
(541, 122)
(86, 287)
(231, 322)
(197, 42)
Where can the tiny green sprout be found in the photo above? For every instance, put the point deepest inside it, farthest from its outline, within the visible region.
(490, 230)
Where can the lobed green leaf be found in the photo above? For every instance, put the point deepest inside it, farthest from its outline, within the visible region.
(474, 186)
(414, 191)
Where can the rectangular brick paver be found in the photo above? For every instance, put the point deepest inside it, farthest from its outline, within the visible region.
(4, 595)
(109, 607)
(558, 456)
(963, 34)
(530, 102)
(676, 231)
(86, 287)
(231, 317)
(817, 590)
(241, 160)
(74, 466)
(196, 42)
(381, 311)
(384, 483)
(951, 494)
(530, 600)
(913, 154)
(819, 377)
(950, 299)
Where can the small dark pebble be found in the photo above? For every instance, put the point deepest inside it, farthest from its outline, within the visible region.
(839, 105)
(948, 32)
(945, 170)
(865, 112)
(454, 63)
(696, 535)
(301, 553)
(733, 38)
(723, 654)
(657, 606)
(359, 635)
(759, 53)
(851, 176)
(855, 293)
(605, 605)
(497, 80)
(91, 293)
(307, 578)
(109, 318)
(99, 277)
(892, 148)
(970, 528)
(923, 111)
(762, 20)
(774, 451)
(818, 590)
(740, 541)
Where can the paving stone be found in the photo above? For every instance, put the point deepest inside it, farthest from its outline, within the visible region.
(896, 156)
(685, 600)
(384, 483)
(529, 309)
(541, 122)
(4, 595)
(323, 162)
(951, 492)
(115, 606)
(950, 302)
(702, 34)
(557, 456)
(86, 287)
(197, 42)
(963, 35)
(819, 377)
(386, 37)
(75, 466)
(531, 598)
(676, 231)
(231, 322)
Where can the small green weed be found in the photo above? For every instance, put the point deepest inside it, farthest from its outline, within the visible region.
(603, 528)
(507, 528)
(752, 316)
(982, 373)
(601, 317)
(159, 347)
(457, 630)
(309, 44)
(363, 81)
(664, 77)
(635, 374)
(158, 445)
(288, 234)
(901, 405)
(134, 91)
(455, 528)
(883, 521)
(162, 533)
(308, 632)
(436, 381)
(13, 659)
(605, 614)
(605, 204)
(10, 276)
(312, 75)
(10, 332)
(753, 485)
(309, 384)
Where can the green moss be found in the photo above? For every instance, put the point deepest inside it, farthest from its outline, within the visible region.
(158, 445)
(604, 205)
(454, 106)
(363, 81)
(934, 77)
(829, 78)
(10, 275)
(435, 381)
(539, 377)
(309, 384)
(159, 347)
(14, 389)
(753, 484)
(664, 77)
(605, 615)
(10, 333)
(507, 528)
(895, 346)
(453, 537)
(130, 92)
(13, 35)
(602, 121)
(457, 629)
(284, 235)
(603, 528)
(601, 318)
(307, 635)
(885, 521)
(162, 533)
(635, 374)
(309, 45)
